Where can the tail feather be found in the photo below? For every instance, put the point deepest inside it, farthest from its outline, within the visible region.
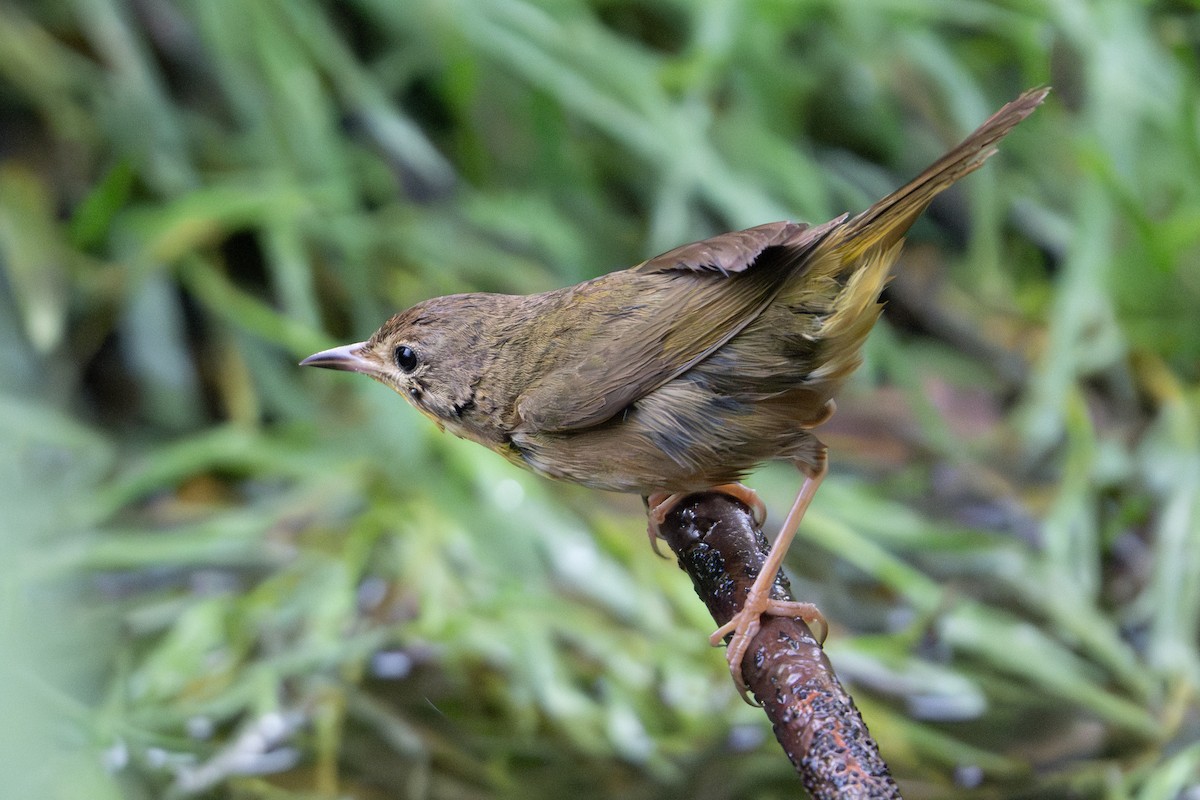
(886, 222)
(856, 258)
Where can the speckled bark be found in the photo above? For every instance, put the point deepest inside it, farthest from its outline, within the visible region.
(714, 537)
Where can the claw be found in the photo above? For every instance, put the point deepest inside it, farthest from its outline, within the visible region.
(748, 621)
(658, 506)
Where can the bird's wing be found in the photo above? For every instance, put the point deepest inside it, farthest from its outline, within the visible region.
(704, 294)
(736, 251)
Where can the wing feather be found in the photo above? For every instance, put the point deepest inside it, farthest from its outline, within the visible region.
(691, 301)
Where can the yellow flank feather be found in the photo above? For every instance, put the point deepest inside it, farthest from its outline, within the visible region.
(860, 253)
(855, 312)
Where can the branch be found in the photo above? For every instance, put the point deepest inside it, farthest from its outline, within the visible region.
(714, 537)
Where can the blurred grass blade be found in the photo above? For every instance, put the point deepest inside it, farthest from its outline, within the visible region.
(32, 257)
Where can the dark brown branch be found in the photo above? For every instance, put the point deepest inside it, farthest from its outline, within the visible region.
(714, 537)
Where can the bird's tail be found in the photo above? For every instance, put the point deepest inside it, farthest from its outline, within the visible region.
(886, 222)
(858, 255)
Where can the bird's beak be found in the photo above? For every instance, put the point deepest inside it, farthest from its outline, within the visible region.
(345, 358)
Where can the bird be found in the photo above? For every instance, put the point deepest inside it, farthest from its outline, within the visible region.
(677, 375)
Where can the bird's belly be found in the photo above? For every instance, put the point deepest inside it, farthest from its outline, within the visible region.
(681, 438)
(617, 464)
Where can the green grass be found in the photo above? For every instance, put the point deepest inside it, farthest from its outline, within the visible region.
(224, 576)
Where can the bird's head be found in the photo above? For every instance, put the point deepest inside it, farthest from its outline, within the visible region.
(432, 354)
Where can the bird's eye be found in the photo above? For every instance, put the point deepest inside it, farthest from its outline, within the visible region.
(406, 358)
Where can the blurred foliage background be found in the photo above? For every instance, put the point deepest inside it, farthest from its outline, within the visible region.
(224, 576)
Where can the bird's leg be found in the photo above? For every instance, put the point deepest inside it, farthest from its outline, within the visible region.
(660, 504)
(746, 622)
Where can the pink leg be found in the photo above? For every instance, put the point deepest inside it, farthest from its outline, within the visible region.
(661, 503)
(746, 623)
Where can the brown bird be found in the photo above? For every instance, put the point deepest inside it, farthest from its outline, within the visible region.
(677, 375)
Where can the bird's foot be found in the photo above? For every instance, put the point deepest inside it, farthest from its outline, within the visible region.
(748, 497)
(745, 624)
(660, 504)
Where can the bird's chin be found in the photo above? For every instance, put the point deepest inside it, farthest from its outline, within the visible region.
(347, 358)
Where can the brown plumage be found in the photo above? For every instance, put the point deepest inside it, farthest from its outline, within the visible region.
(676, 375)
(681, 373)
